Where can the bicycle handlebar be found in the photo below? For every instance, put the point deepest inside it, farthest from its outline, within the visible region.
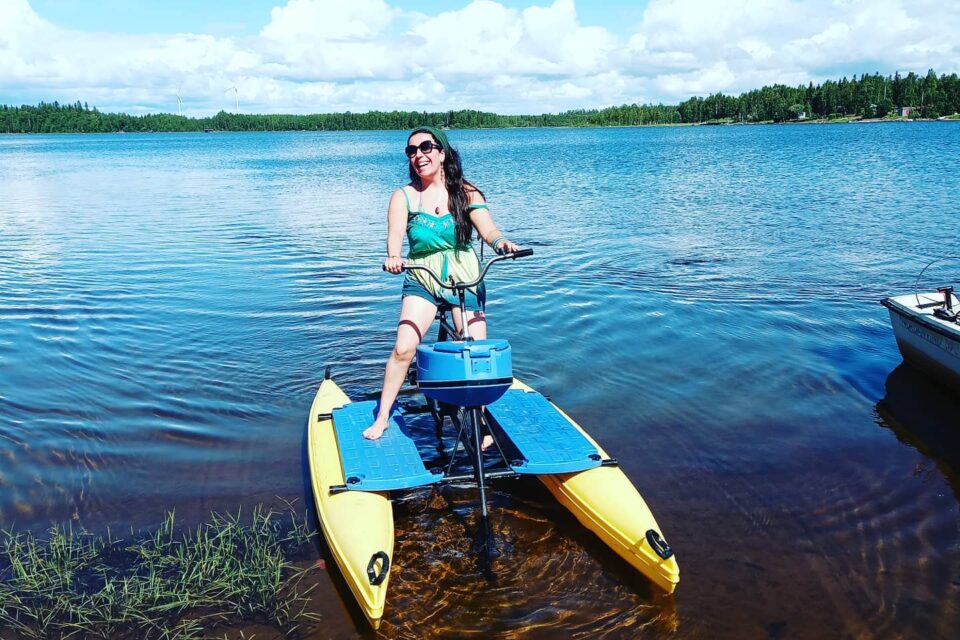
(522, 253)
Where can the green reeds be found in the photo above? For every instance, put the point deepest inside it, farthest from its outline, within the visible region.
(170, 584)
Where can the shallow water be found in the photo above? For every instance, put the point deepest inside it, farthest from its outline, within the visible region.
(704, 300)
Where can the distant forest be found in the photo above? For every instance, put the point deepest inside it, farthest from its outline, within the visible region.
(869, 96)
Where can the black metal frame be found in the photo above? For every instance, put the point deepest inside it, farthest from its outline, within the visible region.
(466, 420)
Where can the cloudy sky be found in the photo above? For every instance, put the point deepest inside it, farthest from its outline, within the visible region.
(508, 56)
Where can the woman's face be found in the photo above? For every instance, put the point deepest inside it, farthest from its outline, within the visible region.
(426, 164)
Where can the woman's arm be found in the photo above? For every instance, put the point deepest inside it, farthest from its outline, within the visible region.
(483, 221)
(396, 226)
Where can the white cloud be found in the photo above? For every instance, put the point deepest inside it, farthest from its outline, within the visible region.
(756, 49)
(332, 40)
(326, 55)
(789, 42)
(478, 40)
(537, 41)
(328, 20)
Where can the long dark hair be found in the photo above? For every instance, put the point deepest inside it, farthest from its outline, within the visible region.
(456, 185)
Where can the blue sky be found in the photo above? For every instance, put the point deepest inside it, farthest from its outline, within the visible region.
(247, 17)
(508, 56)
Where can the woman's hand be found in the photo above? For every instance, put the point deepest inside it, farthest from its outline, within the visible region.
(393, 264)
(505, 246)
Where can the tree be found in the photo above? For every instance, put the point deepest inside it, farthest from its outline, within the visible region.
(884, 107)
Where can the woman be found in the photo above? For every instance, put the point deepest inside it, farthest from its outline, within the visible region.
(438, 210)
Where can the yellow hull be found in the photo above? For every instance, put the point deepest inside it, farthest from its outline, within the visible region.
(357, 524)
(606, 502)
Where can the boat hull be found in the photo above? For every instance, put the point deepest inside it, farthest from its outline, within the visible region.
(605, 501)
(925, 341)
(358, 525)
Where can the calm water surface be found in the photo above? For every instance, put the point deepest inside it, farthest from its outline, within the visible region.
(703, 300)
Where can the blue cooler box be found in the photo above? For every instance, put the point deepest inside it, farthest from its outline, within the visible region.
(466, 374)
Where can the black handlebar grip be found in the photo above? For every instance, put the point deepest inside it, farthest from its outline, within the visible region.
(522, 253)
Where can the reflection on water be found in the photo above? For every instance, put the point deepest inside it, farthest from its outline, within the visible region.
(925, 415)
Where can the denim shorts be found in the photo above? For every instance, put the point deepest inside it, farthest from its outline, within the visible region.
(475, 300)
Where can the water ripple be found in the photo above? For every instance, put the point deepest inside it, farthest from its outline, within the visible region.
(703, 300)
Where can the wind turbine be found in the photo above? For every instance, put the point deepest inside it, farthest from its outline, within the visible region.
(236, 96)
(179, 102)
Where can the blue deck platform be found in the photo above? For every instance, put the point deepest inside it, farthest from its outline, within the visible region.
(543, 441)
(392, 462)
(533, 433)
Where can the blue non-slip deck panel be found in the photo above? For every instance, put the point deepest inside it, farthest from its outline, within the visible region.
(545, 439)
(392, 462)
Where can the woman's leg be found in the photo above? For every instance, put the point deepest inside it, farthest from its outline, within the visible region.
(476, 321)
(416, 316)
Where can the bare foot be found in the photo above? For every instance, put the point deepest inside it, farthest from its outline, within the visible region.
(486, 441)
(374, 431)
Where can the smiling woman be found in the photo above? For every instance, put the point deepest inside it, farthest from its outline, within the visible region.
(448, 209)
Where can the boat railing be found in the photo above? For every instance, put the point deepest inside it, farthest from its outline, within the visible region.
(946, 291)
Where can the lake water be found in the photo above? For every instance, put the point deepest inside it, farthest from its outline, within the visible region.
(704, 300)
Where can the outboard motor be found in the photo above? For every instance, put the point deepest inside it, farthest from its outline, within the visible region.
(947, 296)
(946, 311)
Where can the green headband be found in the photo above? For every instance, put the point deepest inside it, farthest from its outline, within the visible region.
(437, 134)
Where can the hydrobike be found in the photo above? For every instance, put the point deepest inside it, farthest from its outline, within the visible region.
(470, 383)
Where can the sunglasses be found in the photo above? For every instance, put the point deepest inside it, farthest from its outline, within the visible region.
(425, 147)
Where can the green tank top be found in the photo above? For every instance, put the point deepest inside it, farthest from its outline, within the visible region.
(432, 240)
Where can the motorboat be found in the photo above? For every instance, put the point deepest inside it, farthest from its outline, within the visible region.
(927, 331)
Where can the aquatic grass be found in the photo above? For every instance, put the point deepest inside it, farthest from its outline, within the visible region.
(168, 584)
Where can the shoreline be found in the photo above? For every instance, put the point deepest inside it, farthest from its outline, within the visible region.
(844, 120)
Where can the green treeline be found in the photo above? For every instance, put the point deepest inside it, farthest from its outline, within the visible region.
(869, 96)
(873, 96)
